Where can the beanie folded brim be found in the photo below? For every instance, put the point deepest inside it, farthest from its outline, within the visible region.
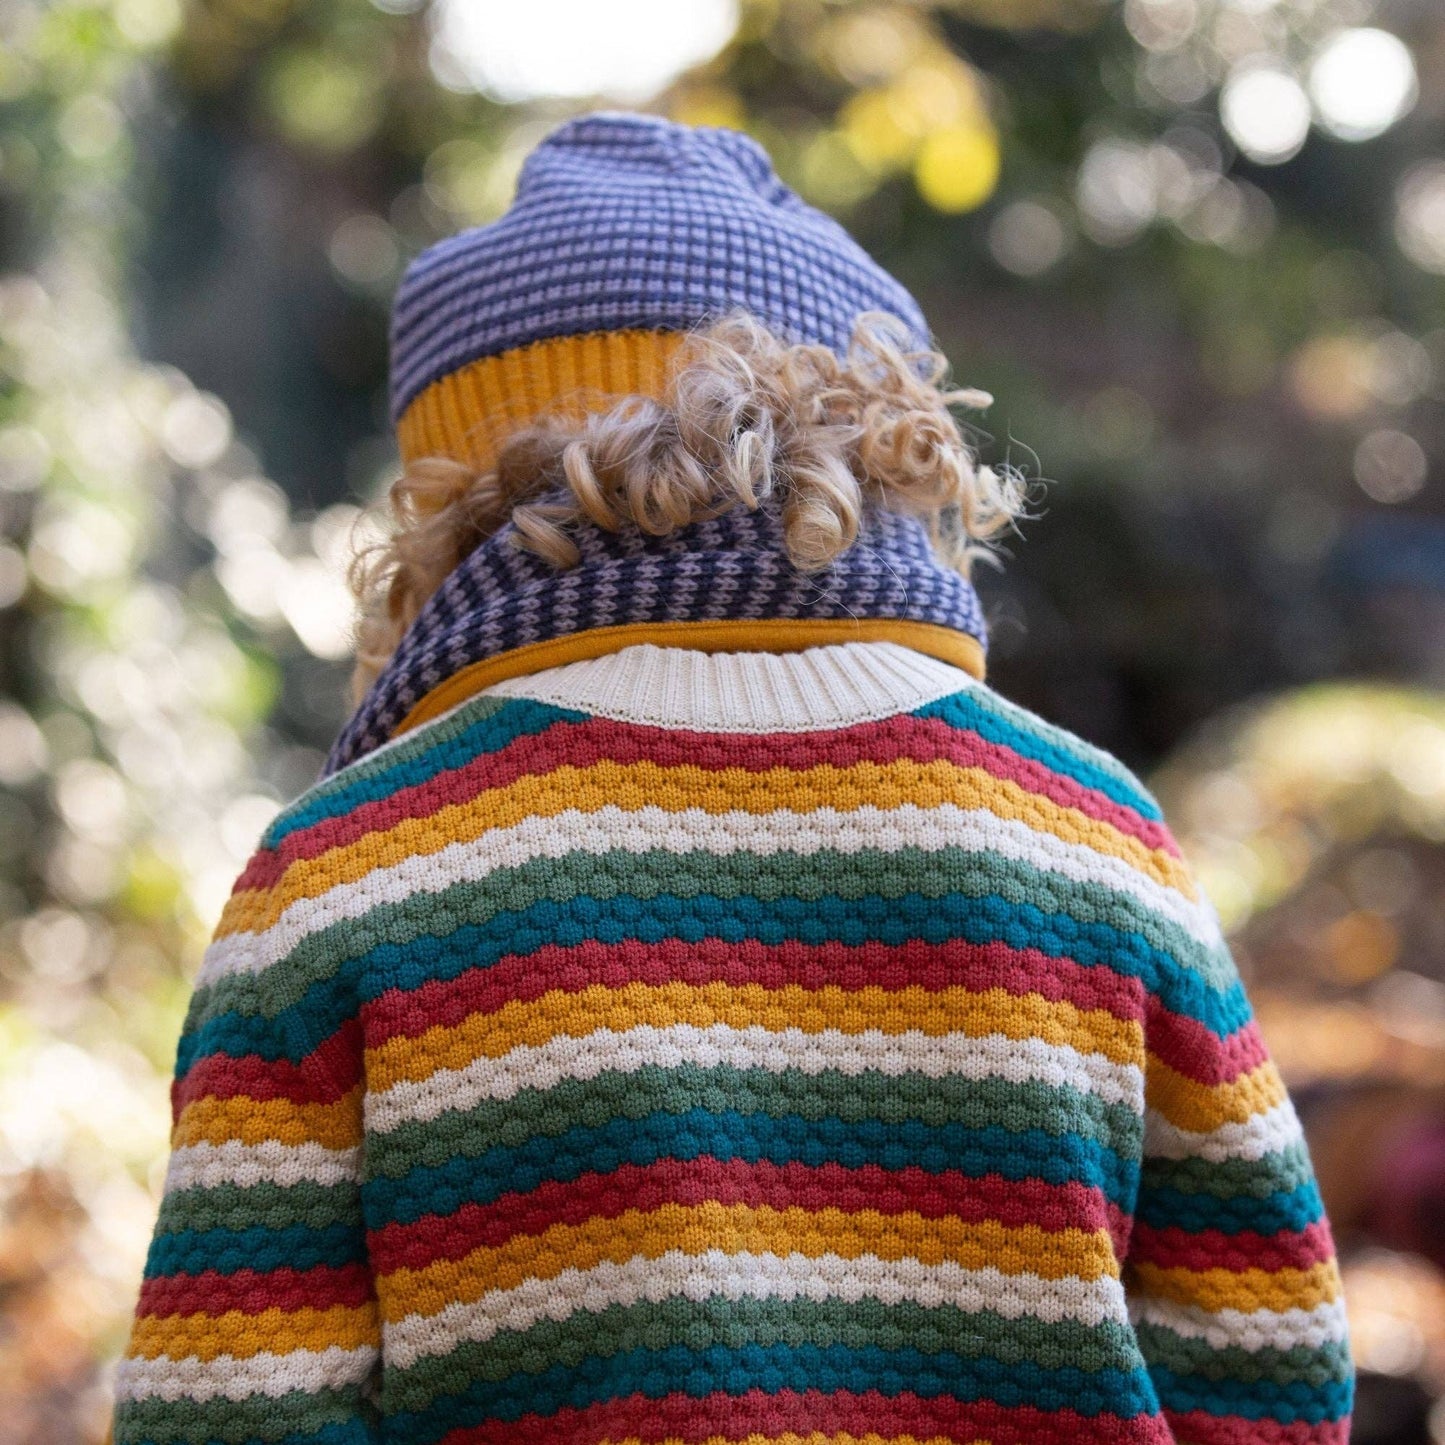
(468, 415)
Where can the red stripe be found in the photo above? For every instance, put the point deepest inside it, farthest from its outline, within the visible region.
(1196, 1051)
(1011, 1202)
(251, 1292)
(445, 1003)
(581, 745)
(693, 1420)
(1204, 1429)
(328, 1073)
(1172, 1247)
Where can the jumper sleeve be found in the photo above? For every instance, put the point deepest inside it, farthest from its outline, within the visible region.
(1231, 1272)
(258, 1319)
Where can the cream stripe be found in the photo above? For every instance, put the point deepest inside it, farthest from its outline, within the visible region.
(227, 1378)
(611, 828)
(207, 1166)
(1247, 1330)
(755, 1047)
(751, 1276)
(1267, 1133)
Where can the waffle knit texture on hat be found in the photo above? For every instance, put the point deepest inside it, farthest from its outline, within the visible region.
(810, 1049)
(626, 231)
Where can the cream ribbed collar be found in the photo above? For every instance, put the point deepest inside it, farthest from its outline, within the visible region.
(751, 692)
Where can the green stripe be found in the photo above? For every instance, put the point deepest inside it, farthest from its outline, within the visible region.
(269, 1205)
(872, 872)
(588, 1103)
(735, 1323)
(232, 1422)
(1231, 1178)
(1299, 1365)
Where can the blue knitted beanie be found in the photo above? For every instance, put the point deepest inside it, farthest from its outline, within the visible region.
(626, 230)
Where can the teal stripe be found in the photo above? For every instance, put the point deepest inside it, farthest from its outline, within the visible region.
(1018, 1152)
(1284, 1209)
(1254, 1399)
(258, 1246)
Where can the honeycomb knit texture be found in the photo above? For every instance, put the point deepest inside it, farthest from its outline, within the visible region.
(811, 1048)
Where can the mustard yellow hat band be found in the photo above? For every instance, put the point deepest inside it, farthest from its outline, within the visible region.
(468, 414)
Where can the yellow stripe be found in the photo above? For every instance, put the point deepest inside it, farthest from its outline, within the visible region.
(243, 1335)
(945, 643)
(1200, 1108)
(468, 414)
(254, 1121)
(1247, 1289)
(935, 1012)
(741, 1229)
(715, 791)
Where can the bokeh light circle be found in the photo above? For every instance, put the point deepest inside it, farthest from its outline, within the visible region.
(1390, 466)
(1266, 113)
(1420, 215)
(574, 48)
(1362, 82)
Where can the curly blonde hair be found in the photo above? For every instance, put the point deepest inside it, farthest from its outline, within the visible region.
(748, 419)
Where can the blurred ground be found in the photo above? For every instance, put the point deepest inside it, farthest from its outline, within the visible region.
(1196, 248)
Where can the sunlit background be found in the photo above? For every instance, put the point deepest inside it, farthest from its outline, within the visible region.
(1195, 247)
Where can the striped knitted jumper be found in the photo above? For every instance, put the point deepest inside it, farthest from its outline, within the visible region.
(807, 1048)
